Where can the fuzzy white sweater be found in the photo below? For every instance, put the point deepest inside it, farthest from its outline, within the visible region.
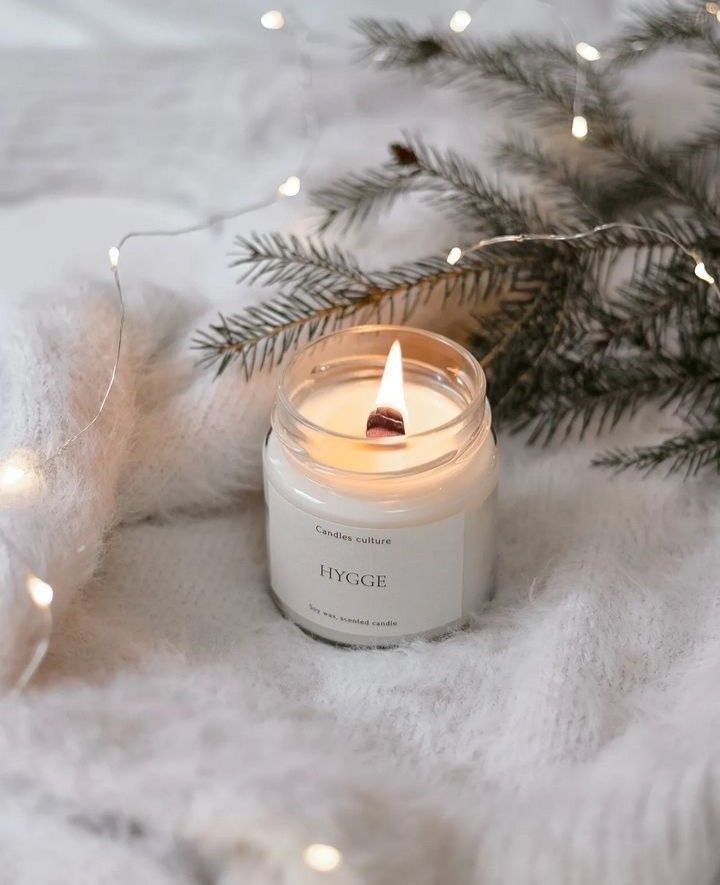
(180, 731)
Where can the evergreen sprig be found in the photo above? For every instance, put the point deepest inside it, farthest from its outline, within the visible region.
(573, 335)
(444, 178)
(685, 453)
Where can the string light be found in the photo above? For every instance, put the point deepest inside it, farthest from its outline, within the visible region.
(40, 591)
(460, 20)
(20, 477)
(700, 270)
(290, 187)
(702, 273)
(579, 126)
(587, 51)
(20, 472)
(273, 20)
(322, 858)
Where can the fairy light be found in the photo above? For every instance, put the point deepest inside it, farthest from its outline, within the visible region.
(290, 187)
(701, 273)
(322, 858)
(40, 591)
(579, 126)
(19, 474)
(20, 471)
(700, 270)
(587, 51)
(461, 18)
(272, 20)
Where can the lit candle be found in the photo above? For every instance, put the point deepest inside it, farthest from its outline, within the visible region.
(380, 482)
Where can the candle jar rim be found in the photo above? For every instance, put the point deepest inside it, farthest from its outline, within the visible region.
(454, 367)
(456, 420)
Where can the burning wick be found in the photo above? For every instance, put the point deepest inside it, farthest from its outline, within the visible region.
(388, 416)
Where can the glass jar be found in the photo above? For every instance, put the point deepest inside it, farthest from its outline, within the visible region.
(375, 541)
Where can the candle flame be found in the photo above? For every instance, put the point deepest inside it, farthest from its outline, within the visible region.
(392, 390)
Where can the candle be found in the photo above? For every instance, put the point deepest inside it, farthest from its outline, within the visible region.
(380, 482)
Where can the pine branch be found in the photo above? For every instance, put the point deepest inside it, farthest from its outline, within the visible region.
(443, 178)
(657, 168)
(361, 196)
(572, 396)
(539, 77)
(647, 311)
(593, 197)
(520, 68)
(653, 29)
(392, 44)
(686, 453)
(300, 265)
(567, 345)
(324, 288)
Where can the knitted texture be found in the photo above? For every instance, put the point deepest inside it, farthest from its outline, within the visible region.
(180, 730)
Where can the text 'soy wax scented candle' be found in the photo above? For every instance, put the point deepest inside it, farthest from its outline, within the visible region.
(380, 482)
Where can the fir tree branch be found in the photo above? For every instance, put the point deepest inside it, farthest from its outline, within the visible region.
(539, 77)
(522, 69)
(324, 288)
(567, 345)
(593, 197)
(687, 453)
(674, 24)
(444, 178)
(575, 395)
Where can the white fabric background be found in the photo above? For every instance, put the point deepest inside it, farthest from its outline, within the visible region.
(181, 730)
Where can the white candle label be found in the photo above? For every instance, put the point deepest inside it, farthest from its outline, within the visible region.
(365, 581)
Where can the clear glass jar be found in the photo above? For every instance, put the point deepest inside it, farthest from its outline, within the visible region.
(373, 542)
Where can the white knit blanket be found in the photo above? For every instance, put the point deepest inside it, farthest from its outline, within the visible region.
(180, 730)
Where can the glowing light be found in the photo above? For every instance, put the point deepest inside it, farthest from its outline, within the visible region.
(712, 8)
(290, 187)
(392, 389)
(454, 255)
(587, 51)
(579, 126)
(18, 473)
(702, 273)
(322, 858)
(40, 592)
(114, 256)
(460, 20)
(273, 20)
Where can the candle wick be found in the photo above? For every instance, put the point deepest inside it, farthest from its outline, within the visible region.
(385, 421)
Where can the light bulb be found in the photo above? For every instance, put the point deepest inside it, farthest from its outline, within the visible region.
(587, 51)
(290, 187)
(702, 273)
(579, 126)
(19, 474)
(114, 256)
(454, 255)
(460, 20)
(712, 8)
(40, 591)
(322, 858)
(273, 20)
